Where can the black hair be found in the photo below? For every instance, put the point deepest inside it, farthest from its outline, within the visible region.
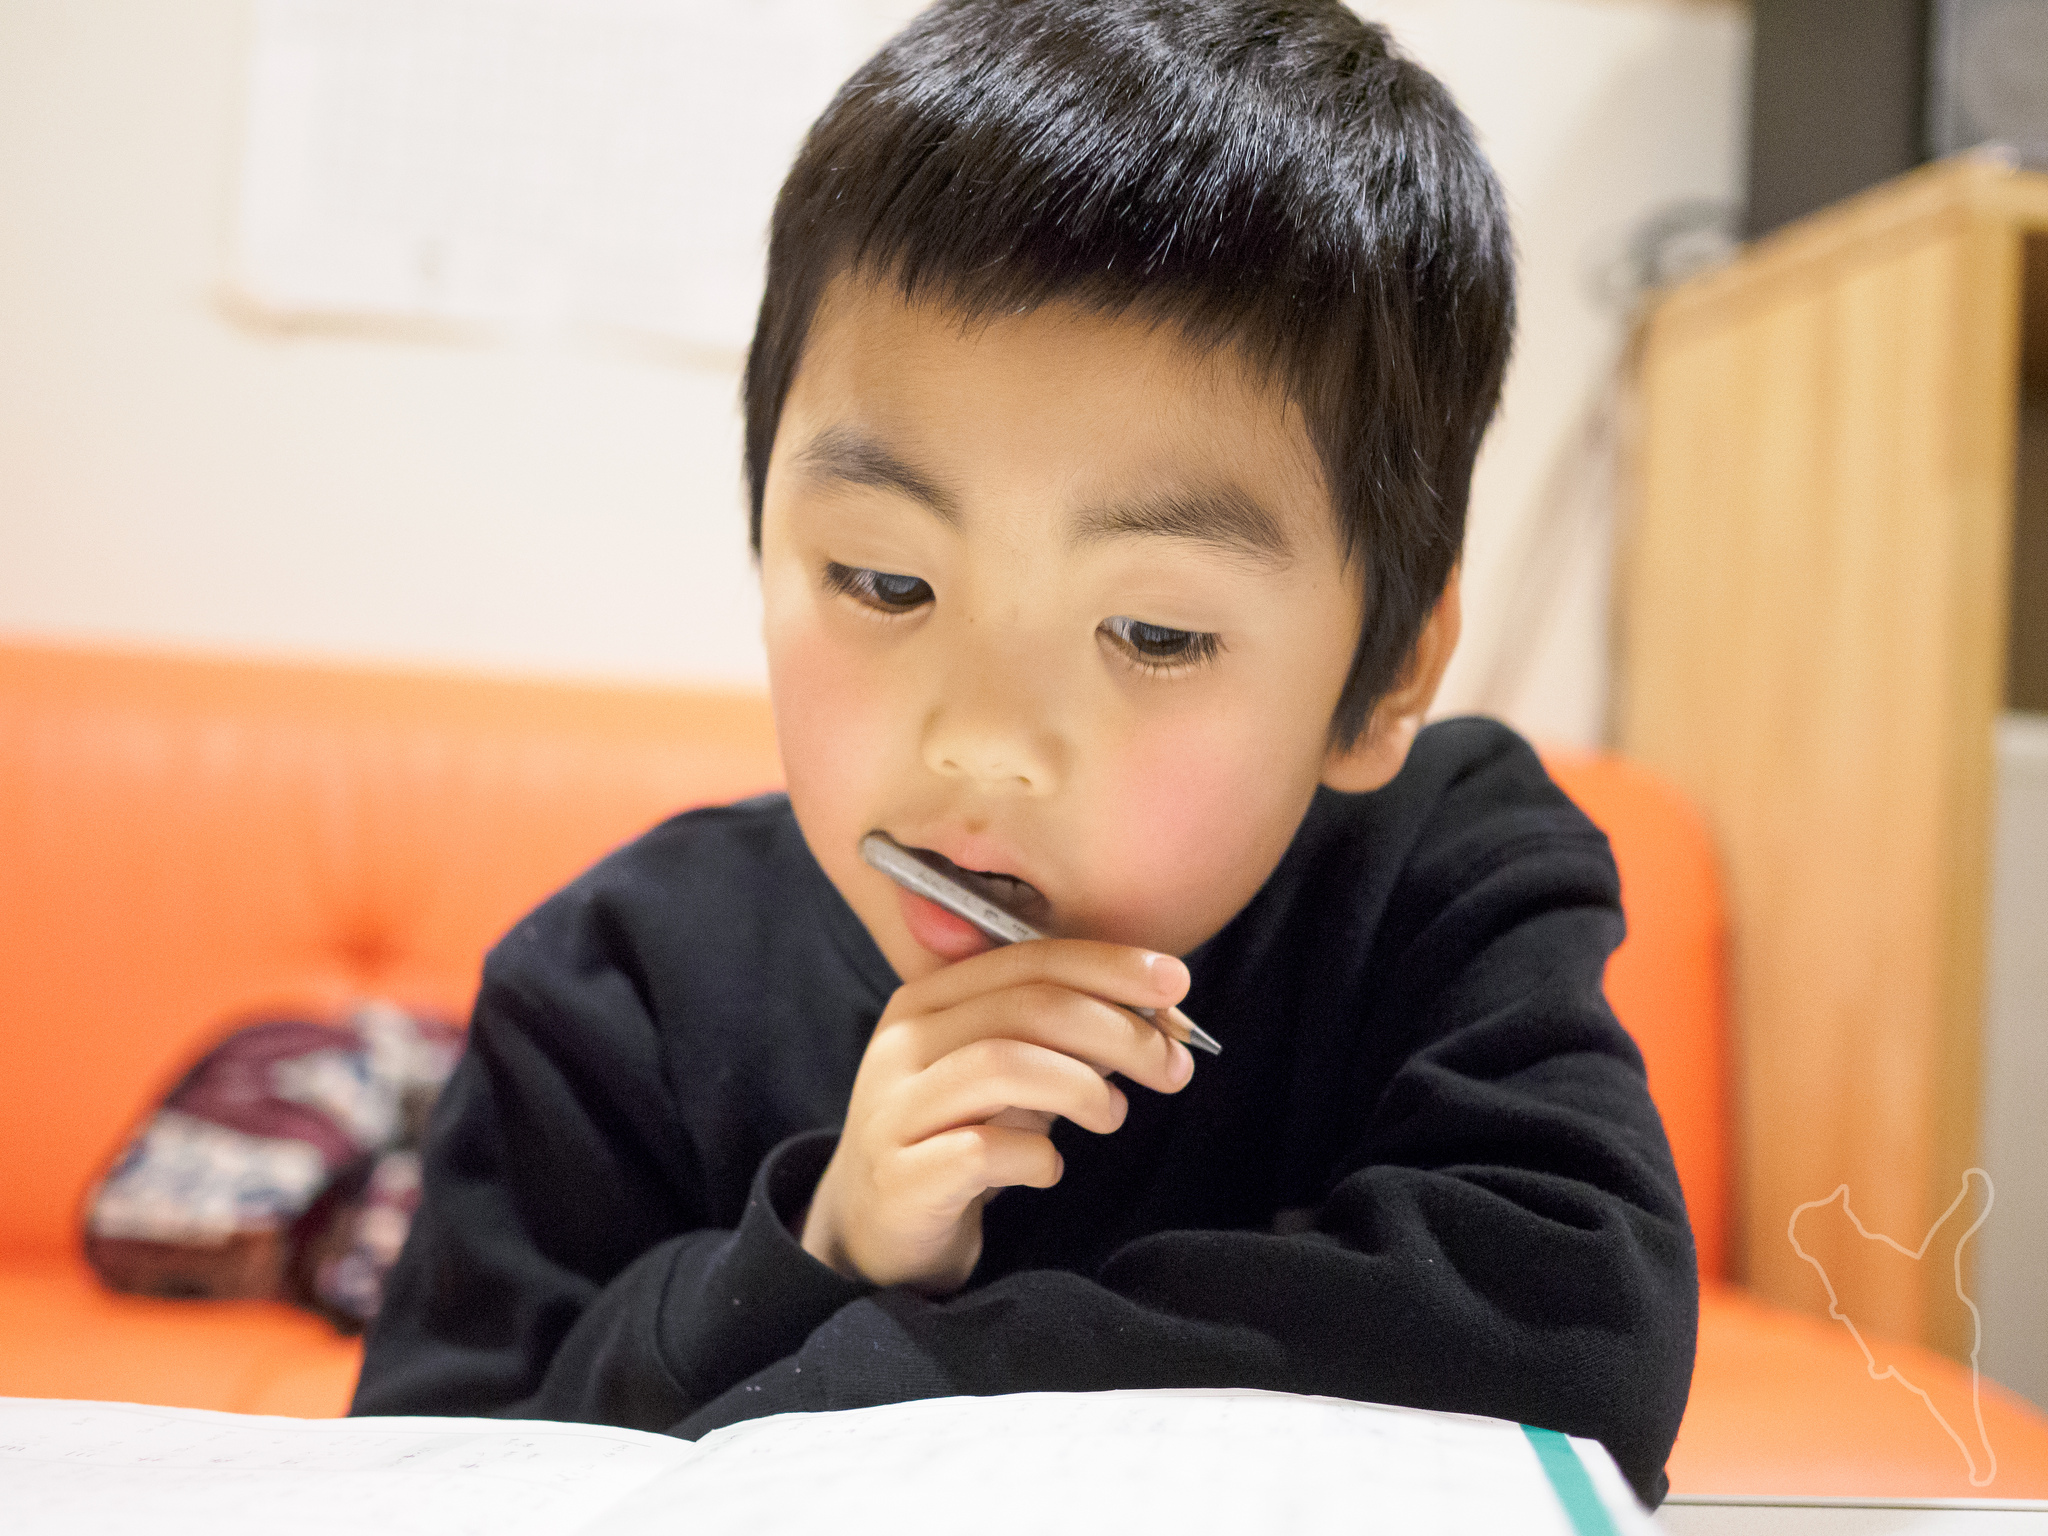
(1272, 176)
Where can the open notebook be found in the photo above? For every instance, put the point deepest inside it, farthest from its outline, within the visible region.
(1191, 1463)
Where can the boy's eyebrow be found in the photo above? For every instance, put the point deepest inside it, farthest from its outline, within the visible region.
(1222, 514)
(843, 454)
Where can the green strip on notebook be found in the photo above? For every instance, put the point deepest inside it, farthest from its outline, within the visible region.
(1568, 1477)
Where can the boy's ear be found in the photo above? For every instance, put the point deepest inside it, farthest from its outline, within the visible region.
(1382, 747)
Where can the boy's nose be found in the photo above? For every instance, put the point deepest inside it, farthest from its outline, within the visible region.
(990, 734)
(993, 758)
(991, 766)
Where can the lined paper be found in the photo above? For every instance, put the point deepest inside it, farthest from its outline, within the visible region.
(1195, 1463)
(84, 1468)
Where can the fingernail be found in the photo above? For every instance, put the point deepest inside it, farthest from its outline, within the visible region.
(1183, 1065)
(1169, 972)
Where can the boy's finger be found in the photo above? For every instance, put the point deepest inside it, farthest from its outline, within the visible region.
(1119, 973)
(980, 1080)
(1036, 1121)
(950, 1169)
(1078, 1024)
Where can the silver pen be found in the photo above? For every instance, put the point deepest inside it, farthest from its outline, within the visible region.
(883, 852)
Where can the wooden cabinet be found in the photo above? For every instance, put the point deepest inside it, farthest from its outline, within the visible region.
(1835, 580)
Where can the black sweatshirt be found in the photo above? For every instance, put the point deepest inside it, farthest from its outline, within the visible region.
(1425, 1170)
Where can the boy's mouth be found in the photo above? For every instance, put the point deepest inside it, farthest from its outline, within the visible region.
(1019, 898)
(985, 907)
(952, 911)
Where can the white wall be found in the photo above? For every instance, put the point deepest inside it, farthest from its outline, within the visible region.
(170, 475)
(2013, 1256)
(1596, 113)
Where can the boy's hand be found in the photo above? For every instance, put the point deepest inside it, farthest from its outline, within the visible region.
(965, 1074)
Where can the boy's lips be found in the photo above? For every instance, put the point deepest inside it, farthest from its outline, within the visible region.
(1014, 894)
(934, 928)
(952, 937)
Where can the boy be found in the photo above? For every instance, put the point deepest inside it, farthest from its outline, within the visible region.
(1109, 423)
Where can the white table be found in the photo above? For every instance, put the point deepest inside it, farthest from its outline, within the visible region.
(1696, 1515)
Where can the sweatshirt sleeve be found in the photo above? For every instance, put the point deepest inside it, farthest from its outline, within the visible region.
(1502, 1233)
(565, 1262)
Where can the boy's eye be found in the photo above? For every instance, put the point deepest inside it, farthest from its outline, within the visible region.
(1159, 648)
(878, 589)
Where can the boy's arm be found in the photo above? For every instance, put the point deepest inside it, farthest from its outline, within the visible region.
(564, 1263)
(1505, 1237)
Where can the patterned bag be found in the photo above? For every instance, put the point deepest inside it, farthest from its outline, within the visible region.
(283, 1165)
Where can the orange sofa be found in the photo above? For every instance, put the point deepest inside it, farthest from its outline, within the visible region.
(184, 842)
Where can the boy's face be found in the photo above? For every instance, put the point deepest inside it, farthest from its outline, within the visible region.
(1059, 598)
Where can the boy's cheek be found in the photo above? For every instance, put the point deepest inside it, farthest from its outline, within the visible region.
(830, 723)
(828, 703)
(1192, 817)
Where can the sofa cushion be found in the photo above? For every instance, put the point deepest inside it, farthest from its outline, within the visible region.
(190, 841)
(64, 1334)
(1666, 981)
(1785, 1403)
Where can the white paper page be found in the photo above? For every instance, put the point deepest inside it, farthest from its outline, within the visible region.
(83, 1468)
(1189, 1463)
